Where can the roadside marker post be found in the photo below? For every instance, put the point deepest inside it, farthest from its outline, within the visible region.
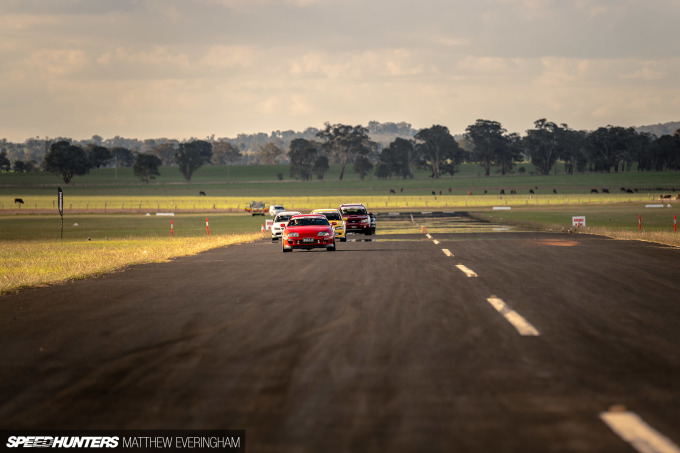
(640, 222)
(675, 222)
(172, 228)
(207, 227)
(60, 203)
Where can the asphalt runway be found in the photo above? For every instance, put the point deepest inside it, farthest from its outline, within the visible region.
(483, 341)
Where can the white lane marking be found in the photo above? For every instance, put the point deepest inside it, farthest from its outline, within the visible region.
(468, 272)
(447, 252)
(428, 236)
(514, 318)
(436, 242)
(631, 428)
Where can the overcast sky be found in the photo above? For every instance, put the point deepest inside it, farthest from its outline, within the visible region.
(194, 68)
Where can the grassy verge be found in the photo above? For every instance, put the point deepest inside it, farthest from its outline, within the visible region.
(617, 222)
(34, 263)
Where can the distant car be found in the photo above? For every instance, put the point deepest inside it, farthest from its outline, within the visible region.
(275, 209)
(308, 231)
(356, 218)
(255, 208)
(280, 223)
(334, 218)
(372, 216)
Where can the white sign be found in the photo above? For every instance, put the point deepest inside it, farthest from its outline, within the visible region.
(578, 221)
(269, 224)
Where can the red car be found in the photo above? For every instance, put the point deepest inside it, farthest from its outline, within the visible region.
(308, 231)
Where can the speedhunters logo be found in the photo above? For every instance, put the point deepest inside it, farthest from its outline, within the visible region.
(194, 441)
(61, 442)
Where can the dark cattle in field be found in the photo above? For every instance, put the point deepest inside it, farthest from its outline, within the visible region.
(19, 201)
(605, 190)
(392, 191)
(401, 190)
(554, 190)
(433, 193)
(201, 194)
(531, 191)
(502, 191)
(629, 191)
(594, 191)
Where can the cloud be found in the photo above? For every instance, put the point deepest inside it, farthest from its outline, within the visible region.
(164, 67)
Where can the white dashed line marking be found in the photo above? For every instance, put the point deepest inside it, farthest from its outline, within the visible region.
(436, 242)
(468, 272)
(639, 434)
(428, 236)
(514, 318)
(447, 252)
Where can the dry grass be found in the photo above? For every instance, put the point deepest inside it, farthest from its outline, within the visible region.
(35, 263)
(660, 237)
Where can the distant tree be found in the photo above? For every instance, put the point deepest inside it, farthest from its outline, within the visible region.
(509, 153)
(640, 147)
(573, 150)
(488, 141)
(146, 166)
(19, 166)
(345, 143)
(607, 146)
(400, 158)
(303, 155)
(542, 144)
(382, 170)
(439, 149)
(165, 152)
(269, 153)
(99, 155)
(362, 166)
(122, 157)
(664, 154)
(320, 166)
(225, 153)
(5, 164)
(192, 155)
(67, 160)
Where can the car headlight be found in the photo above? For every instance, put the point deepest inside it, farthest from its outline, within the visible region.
(293, 235)
(322, 233)
(364, 220)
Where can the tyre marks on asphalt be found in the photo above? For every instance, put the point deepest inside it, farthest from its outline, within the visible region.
(627, 425)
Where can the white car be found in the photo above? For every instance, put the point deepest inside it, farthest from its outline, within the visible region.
(280, 222)
(275, 209)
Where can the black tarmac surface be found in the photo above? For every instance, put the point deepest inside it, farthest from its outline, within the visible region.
(383, 345)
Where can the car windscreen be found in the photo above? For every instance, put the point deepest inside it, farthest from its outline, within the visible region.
(283, 218)
(332, 215)
(309, 221)
(354, 211)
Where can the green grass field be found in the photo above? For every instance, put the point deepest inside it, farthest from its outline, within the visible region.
(106, 226)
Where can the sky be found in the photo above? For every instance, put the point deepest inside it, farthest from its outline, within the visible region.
(195, 68)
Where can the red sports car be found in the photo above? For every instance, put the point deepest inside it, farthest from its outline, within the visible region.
(308, 231)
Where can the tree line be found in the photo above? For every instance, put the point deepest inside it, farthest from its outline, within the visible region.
(489, 145)
(309, 155)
